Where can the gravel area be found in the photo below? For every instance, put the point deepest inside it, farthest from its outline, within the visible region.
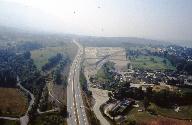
(100, 96)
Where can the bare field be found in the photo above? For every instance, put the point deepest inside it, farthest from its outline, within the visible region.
(94, 55)
(57, 92)
(100, 96)
(12, 102)
(166, 121)
(94, 59)
(41, 56)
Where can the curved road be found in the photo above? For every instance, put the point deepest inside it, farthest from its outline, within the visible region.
(25, 119)
(9, 118)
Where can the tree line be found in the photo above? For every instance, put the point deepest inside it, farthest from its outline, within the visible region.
(163, 98)
(53, 61)
(58, 74)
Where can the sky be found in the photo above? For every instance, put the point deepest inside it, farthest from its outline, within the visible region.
(156, 19)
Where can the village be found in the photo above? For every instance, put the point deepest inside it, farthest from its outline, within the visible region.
(138, 80)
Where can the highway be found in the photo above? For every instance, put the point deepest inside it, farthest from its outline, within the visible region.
(75, 106)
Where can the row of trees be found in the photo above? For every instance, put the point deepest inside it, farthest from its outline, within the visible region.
(124, 91)
(166, 98)
(163, 98)
(58, 74)
(53, 61)
(43, 105)
(107, 77)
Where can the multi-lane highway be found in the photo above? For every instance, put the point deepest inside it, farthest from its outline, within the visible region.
(75, 106)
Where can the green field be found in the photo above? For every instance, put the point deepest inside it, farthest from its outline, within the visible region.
(139, 48)
(163, 114)
(185, 113)
(41, 56)
(102, 74)
(151, 62)
(49, 119)
(9, 122)
(139, 116)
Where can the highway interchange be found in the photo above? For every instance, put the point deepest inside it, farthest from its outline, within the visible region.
(75, 106)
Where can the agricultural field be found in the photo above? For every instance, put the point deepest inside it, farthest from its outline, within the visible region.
(145, 118)
(184, 113)
(9, 122)
(151, 62)
(139, 47)
(12, 102)
(159, 88)
(140, 117)
(49, 119)
(42, 55)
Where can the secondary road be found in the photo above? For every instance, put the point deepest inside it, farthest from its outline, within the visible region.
(25, 119)
(75, 106)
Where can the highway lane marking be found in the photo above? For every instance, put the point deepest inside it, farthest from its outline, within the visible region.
(72, 87)
(76, 67)
(78, 118)
(77, 111)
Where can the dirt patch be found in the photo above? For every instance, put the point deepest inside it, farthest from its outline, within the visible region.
(100, 97)
(94, 59)
(12, 102)
(60, 93)
(166, 121)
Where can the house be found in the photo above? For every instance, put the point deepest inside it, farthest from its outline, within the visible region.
(121, 106)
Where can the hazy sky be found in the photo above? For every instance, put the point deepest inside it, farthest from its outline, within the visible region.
(157, 19)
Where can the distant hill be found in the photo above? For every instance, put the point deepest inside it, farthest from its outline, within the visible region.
(184, 43)
(9, 34)
(118, 41)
